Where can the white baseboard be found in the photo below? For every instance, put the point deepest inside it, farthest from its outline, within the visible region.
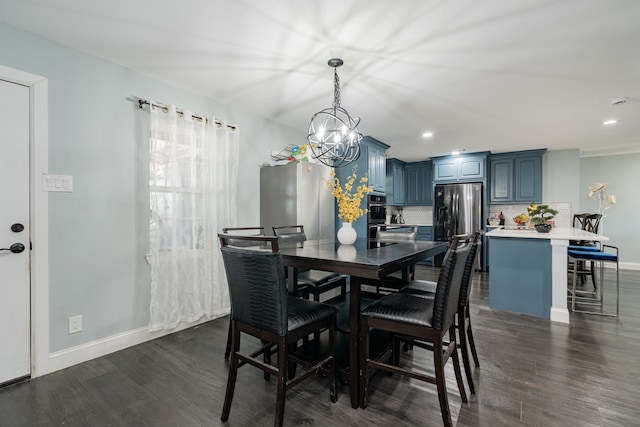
(72, 356)
(629, 266)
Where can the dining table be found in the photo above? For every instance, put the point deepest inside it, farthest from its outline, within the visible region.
(365, 259)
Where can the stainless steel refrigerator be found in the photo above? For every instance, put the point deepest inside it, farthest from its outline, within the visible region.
(457, 211)
(297, 194)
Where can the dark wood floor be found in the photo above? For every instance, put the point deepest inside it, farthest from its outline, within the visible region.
(533, 372)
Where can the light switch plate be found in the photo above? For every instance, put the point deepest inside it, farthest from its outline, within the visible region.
(52, 182)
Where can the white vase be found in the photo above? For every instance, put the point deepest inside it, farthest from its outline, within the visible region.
(347, 234)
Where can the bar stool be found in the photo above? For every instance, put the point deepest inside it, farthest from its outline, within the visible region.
(595, 297)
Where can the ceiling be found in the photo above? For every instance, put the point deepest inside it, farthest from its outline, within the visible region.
(491, 75)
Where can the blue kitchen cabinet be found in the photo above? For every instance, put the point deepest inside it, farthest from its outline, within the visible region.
(419, 188)
(376, 155)
(395, 182)
(466, 167)
(516, 177)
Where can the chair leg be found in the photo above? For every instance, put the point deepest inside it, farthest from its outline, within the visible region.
(462, 329)
(472, 343)
(440, 380)
(227, 350)
(282, 382)
(456, 364)
(233, 373)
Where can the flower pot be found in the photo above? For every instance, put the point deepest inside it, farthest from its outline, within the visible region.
(543, 228)
(347, 234)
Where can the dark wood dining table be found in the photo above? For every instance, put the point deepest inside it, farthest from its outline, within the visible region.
(360, 261)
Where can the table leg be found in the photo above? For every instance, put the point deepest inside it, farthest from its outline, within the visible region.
(354, 323)
(292, 280)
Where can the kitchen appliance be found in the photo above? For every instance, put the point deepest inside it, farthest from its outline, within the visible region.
(457, 211)
(377, 212)
(296, 194)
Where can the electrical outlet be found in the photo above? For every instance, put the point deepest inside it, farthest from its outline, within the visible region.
(75, 324)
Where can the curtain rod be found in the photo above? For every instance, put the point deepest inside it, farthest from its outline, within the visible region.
(142, 102)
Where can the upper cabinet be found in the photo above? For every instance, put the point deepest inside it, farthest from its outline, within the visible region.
(372, 163)
(466, 167)
(409, 184)
(516, 177)
(395, 183)
(419, 184)
(376, 155)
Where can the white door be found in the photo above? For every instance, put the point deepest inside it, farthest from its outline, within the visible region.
(15, 335)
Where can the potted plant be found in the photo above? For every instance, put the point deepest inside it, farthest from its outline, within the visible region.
(349, 202)
(541, 216)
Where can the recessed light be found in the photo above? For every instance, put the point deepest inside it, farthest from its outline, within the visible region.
(427, 134)
(610, 122)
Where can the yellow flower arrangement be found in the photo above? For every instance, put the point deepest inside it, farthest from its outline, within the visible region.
(348, 202)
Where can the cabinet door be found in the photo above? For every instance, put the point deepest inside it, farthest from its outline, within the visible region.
(501, 180)
(471, 168)
(445, 170)
(426, 184)
(528, 179)
(395, 183)
(413, 185)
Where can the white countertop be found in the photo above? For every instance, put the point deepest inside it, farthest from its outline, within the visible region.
(560, 233)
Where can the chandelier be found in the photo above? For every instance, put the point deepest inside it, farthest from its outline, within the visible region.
(333, 134)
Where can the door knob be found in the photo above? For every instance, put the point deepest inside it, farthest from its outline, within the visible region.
(16, 228)
(16, 248)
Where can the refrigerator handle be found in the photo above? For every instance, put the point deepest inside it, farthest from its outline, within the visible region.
(454, 208)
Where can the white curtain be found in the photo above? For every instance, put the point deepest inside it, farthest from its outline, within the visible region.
(193, 166)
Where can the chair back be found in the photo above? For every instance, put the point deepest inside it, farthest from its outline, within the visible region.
(578, 220)
(257, 285)
(290, 233)
(243, 231)
(403, 234)
(467, 275)
(449, 282)
(592, 223)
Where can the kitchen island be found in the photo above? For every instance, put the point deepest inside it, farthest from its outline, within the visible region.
(528, 270)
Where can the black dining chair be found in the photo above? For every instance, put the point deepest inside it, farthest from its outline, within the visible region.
(397, 279)
(591, 223)
(262, 308)
(316, 282)
(302, 290)
(463, 319)
(424, 321)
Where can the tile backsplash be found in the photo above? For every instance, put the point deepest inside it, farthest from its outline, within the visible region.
(418, 215)
(423, 215)
(562, 219)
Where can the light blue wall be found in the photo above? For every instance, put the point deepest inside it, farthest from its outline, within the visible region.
(622, 172)
(561, 178)
(95, 269)
(567, 177)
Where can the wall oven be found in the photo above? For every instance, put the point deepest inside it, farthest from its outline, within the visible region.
(376, 205)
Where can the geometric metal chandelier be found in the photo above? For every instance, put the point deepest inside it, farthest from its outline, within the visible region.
(333, 134)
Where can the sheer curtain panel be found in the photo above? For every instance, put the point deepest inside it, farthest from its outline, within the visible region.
(193, 166)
